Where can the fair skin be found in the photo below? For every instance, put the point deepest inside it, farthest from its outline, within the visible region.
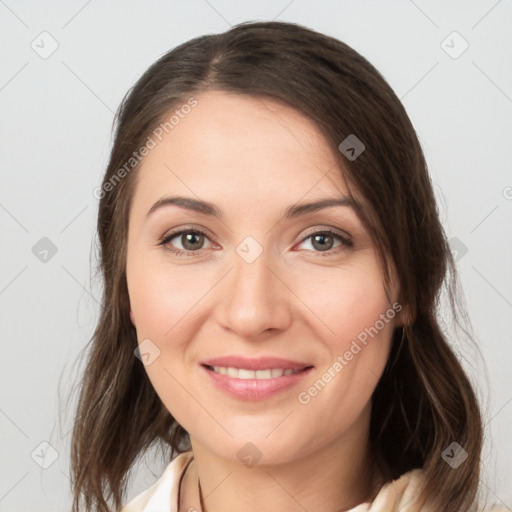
(253, 158)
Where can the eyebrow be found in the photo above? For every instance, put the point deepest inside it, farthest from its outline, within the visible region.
(207, 208)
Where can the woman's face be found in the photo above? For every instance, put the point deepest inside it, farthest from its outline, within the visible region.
(257, 286)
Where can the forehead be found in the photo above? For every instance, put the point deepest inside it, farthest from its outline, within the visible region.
(248, 148)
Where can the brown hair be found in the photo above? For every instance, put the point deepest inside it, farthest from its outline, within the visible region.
(424, 400)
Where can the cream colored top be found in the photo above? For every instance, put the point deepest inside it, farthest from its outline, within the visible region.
(163, 495)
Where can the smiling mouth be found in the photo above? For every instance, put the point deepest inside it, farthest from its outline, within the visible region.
(245, 374)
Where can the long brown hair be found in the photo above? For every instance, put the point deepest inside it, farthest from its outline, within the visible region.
(424, 401)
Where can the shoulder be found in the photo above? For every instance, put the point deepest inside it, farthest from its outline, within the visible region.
(495, 508)
(403, 494)
(163, 494)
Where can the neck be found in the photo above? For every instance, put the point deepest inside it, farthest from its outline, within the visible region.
(334, 478)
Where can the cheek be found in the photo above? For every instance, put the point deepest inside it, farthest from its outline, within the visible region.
(346, 303)
(162, 304)
(355, 322)
(166, 305)
(160, 298)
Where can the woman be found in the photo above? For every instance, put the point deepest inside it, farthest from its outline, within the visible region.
(273, 259)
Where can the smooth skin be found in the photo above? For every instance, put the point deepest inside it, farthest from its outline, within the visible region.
(252, 158)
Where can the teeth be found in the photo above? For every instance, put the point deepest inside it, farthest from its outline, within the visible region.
(242, 373)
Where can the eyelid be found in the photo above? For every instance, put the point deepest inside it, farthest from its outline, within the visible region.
(187, 228)
(326, 229)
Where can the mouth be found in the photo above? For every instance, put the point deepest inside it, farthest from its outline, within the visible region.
(243, 373)
(254, 379)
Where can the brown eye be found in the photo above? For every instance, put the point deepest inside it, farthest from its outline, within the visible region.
(190, 240)
(323, 242)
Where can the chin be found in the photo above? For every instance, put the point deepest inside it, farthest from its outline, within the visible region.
(259, 441)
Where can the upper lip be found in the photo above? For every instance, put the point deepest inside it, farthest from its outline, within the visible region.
(261, 363)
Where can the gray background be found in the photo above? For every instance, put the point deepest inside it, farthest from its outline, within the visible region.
(55, 122)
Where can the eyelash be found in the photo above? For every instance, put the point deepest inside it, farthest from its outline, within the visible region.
(345, 242)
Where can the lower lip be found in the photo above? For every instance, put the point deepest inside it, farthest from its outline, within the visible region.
(255, 389)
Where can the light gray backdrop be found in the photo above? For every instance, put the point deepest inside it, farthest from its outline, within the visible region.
(65, 67)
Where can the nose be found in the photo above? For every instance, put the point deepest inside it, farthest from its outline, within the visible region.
(254, 299)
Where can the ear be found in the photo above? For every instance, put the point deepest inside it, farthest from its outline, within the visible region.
(132, 317)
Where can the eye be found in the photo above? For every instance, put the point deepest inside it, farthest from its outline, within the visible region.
(191, 241)
(323, 242)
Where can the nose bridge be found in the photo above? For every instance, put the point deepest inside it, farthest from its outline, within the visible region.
(252, 299)
(250, 279)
